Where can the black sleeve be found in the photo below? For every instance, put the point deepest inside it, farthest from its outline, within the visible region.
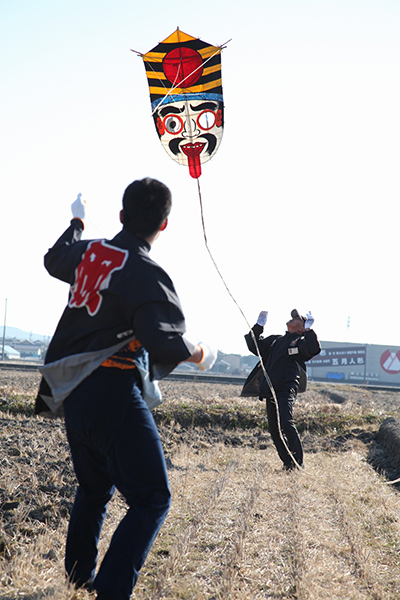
(264, 344)
(62, 259)
(160, 326)
(257, 330)
(309, 345)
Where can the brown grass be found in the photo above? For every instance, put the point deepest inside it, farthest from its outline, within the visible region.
(239, 527)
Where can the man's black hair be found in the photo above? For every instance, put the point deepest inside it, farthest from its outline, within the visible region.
(146, 204)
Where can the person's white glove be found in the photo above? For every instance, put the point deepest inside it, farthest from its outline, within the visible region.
(262, 318)
(309, 321)
(209, 357)
(78, 208)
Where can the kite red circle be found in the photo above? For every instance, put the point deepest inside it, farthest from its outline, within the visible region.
(183, 66)
(390, 362)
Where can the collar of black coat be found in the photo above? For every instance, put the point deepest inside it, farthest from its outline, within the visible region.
(127, 237)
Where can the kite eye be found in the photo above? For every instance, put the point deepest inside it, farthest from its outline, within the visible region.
(206, 119)
(173, 124)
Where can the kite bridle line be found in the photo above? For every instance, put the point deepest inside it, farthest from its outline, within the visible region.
(174, 87)
(268, 380)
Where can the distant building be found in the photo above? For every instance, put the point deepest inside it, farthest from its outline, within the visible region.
(10, 353)
(233, 361)
(356, 363)
(27, 349)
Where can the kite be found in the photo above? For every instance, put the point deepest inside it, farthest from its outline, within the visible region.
(184, 77)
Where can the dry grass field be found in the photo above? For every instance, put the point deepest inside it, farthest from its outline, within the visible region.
(239, 528)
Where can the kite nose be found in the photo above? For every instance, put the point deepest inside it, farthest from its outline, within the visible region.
(190, 129)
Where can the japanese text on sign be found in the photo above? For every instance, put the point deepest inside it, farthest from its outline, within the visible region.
(340, 357)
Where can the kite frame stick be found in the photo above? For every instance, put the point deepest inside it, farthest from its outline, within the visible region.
(174, 87)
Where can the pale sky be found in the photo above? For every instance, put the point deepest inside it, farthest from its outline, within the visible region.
(301, 201)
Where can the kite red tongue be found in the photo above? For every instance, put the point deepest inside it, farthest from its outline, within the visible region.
(193, 152)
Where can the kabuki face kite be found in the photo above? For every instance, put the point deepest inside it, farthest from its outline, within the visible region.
(184, 76)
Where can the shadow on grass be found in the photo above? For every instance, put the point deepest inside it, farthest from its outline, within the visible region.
(17, 405)
(385, 461)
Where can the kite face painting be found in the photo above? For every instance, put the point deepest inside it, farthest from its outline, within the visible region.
(184, 77)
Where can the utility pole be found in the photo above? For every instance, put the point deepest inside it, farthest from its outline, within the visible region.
(4, 332)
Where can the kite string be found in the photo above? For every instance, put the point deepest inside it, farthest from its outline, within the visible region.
(211, 256)
(271, 387)
(244, 317)
(395, 481)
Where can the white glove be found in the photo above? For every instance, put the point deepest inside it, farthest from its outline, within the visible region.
(209, 357)
(78, 208)
(309, 321)
(262, 318)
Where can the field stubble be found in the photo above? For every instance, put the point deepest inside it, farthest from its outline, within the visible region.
(239, 527)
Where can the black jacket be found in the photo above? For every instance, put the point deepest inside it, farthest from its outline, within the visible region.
(284, 359)
(117, 294)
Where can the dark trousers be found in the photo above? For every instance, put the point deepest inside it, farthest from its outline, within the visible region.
(114, 444)
(286, 401)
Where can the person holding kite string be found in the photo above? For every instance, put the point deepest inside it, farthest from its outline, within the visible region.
(284, 358)
(122, 330)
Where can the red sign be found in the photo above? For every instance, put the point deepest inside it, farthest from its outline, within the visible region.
(390, 362)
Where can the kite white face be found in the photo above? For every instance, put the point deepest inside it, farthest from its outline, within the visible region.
(190, 131)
